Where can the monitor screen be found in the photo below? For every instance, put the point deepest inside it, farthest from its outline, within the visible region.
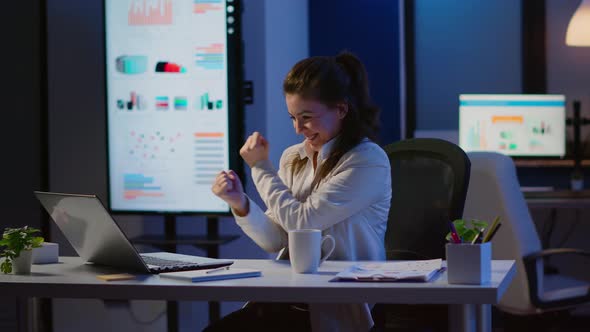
(172, 78)
(513, 124)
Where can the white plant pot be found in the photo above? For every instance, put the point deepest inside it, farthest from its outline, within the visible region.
(22, 263)
(469, 263)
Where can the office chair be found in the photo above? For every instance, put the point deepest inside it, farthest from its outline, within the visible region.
(429, 179)
(494, 190)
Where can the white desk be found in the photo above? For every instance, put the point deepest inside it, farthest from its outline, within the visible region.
(559, 199)
(470, 310)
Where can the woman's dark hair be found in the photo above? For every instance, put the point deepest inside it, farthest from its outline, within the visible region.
(334, 80)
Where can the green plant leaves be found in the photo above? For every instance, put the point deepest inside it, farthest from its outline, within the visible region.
(467, 229)
(6, 266)
(15, 240)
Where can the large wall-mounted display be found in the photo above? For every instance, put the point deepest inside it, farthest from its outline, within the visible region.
(172, 78)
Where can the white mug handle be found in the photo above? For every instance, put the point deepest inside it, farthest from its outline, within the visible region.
(333, 246)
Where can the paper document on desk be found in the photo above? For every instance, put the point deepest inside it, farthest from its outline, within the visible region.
(422, 270)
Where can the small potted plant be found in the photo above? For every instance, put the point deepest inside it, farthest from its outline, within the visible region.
(18, 246)
(468, 230)
(469, 251)
(577, 179)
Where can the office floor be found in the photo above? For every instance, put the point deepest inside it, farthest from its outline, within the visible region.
(406, 321)
(553, 322)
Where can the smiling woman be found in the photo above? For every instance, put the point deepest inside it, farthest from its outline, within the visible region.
(317, 122)
(336, 180)
(333, 93)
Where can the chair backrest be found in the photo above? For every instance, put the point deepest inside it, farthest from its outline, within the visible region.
(429, 179)
(494, 190)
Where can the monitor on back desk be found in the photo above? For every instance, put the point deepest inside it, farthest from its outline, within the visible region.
(519, 125)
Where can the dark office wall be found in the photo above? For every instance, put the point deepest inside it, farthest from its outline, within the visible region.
(369, 29)
(463, 47)
(77, 153)
(22, 108)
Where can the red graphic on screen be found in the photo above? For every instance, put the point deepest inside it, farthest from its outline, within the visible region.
(169, 67)
(157, 12)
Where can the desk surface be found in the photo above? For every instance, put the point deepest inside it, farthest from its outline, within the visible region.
(548, 162)
(558, 199)
(73, 279)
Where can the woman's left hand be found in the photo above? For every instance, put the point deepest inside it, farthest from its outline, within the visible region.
(255, 149)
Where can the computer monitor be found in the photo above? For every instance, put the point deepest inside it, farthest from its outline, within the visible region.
(524, 125)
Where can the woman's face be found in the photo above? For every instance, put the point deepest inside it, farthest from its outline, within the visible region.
(314, 120)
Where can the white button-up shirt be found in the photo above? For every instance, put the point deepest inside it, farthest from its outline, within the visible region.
(351, 204)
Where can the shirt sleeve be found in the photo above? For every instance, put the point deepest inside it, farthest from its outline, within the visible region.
(355, 183)
(259, 226)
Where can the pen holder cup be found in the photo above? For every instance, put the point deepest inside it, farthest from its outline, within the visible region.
(469, 263)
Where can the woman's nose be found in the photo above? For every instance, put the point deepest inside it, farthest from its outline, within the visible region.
(298, 127)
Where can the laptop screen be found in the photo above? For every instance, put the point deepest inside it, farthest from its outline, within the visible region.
(513, 124)
(91, 230)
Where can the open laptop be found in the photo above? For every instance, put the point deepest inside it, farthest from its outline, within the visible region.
(97, 238)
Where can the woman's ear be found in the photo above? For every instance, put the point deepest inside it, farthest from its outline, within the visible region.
(342, 110)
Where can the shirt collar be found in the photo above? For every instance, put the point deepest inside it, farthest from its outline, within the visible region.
(324, 151)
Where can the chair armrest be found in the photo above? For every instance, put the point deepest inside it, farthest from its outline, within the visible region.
(552, 252)
(530, 265)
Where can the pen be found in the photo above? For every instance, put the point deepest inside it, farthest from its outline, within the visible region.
(454, 235)
(223, 268)
(477, 238)
(493, 232)
(486, 238)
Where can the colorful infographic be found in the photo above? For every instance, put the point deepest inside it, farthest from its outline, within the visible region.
(516, 125)
(167, 97)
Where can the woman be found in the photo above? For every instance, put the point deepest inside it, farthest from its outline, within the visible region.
(337, 180)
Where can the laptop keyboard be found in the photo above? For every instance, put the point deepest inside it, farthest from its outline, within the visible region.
(160, 264)
(167, 262)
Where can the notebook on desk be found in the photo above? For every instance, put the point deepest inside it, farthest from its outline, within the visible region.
(97, 238)
(214, 274)
(420, 270)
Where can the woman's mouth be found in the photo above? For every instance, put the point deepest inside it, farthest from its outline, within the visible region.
(312, 137)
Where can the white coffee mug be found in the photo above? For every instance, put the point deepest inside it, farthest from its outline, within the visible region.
(305, 249)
